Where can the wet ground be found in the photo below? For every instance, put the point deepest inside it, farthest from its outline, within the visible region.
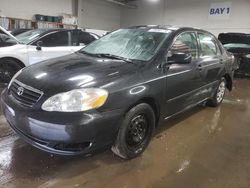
(202, 148)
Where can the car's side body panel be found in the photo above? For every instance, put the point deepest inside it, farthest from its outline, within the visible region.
(28, 53)
(18, 51)
(36, 56)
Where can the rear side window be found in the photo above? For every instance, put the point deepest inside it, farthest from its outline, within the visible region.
(186, 43)
(85, 38)
(61, 38)
(209, 46)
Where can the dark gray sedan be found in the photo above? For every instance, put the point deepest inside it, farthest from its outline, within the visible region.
(117, 90)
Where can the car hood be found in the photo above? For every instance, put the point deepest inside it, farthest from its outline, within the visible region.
(9, 34)
(74, 71)
(226, 38)
(241, 38)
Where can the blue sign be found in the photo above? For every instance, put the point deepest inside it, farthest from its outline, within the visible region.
(220, 10)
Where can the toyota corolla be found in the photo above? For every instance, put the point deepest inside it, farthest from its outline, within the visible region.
(117, 90)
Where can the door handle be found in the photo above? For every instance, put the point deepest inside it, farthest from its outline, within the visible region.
(221, 61)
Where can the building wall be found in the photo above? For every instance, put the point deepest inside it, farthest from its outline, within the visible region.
(188, 13)
(146, 13)
(27, 8)
(98, 14)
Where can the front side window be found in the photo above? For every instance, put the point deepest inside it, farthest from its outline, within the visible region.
(209, 46)
(56, 39)
(134, 44)
(186, 43)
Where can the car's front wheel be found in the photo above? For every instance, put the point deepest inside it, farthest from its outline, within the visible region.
(135, 132)
(219, 94)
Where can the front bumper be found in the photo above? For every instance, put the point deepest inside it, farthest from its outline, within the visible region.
(62, 133)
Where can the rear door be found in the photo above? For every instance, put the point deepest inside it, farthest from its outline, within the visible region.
(183, 80)
(211, 64)
(53, 45)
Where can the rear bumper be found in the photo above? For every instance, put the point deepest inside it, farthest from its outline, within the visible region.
(62, 133)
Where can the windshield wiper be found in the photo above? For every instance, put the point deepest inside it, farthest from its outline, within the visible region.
(115, 57)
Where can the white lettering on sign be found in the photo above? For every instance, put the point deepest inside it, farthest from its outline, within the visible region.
(220, 10)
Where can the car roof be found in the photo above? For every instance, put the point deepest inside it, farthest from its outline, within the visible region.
(167, 27)
(147, 27)
(49, 30)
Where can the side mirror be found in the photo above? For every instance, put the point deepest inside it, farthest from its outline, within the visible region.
(179, 58)
(39, 45)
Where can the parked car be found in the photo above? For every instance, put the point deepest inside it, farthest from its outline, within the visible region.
(117, 90)
(37, 45)
(239, 45)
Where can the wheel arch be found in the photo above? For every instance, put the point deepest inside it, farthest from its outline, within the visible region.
(229, 82)
(14, 59)
(152, 103)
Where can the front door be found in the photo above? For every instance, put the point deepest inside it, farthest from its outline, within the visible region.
(53, 45)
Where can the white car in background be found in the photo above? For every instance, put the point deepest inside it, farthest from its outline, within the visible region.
(38, 45)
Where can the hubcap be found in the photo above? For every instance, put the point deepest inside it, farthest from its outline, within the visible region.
(221, 92)
(137, 131)
(6, 73)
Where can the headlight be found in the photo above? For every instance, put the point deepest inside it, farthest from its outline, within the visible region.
(77, 100)
(247, 56)
(14, 77)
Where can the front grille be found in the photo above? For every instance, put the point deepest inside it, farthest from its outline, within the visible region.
(28, 95)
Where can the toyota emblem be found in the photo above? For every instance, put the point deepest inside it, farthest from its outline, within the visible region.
(20, 91)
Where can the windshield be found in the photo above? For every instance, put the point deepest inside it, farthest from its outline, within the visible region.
(29, 36)
(236, 45)
(133, 44)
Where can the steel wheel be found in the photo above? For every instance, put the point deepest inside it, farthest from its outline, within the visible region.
(221, 92)
(136, 131)
(218, 94)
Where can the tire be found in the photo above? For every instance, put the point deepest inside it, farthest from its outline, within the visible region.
(135, 132)
(8, 68)
(218, 97)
